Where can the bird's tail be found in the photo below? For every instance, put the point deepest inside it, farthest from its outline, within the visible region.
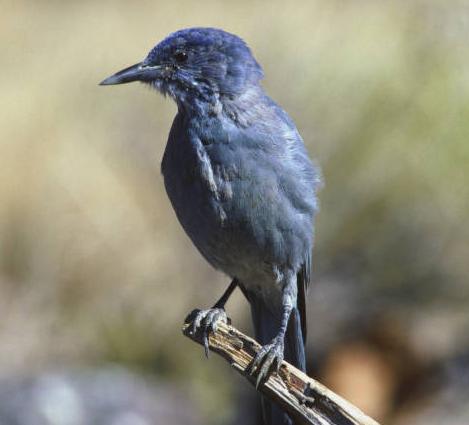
(266, 327)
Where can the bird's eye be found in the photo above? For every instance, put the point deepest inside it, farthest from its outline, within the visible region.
(180, 57)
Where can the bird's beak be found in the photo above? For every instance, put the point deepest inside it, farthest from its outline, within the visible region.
(137, 72)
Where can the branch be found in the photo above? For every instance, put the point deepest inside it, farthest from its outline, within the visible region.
(306, 400)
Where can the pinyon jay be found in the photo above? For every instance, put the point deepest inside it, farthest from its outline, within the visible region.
(242, 185)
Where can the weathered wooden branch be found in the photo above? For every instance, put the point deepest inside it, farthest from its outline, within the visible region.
(305, 399)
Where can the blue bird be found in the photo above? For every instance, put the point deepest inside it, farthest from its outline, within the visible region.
(242, 185)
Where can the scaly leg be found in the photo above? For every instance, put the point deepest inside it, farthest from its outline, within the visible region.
(208, 319)
(271, 355)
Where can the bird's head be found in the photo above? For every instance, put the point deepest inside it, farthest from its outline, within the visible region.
(196, 64)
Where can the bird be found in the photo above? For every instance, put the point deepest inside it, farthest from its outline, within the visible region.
(242, 185)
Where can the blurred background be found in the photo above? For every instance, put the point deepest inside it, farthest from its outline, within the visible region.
(96, 275)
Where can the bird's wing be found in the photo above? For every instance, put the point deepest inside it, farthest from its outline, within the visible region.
(302, 191)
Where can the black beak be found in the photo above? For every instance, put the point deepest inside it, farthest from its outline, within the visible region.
(137, 72)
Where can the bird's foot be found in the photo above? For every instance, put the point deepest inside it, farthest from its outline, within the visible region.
(269, 357)
(207, 321)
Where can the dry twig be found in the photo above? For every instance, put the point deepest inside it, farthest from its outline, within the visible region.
(306, 400)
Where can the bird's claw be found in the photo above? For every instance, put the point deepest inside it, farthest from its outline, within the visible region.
(268, 357)
(207, 322)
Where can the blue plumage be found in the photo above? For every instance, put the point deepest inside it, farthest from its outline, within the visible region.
(241, 183)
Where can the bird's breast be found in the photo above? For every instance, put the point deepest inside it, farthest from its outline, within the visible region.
(200, 192)
(229, 199)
